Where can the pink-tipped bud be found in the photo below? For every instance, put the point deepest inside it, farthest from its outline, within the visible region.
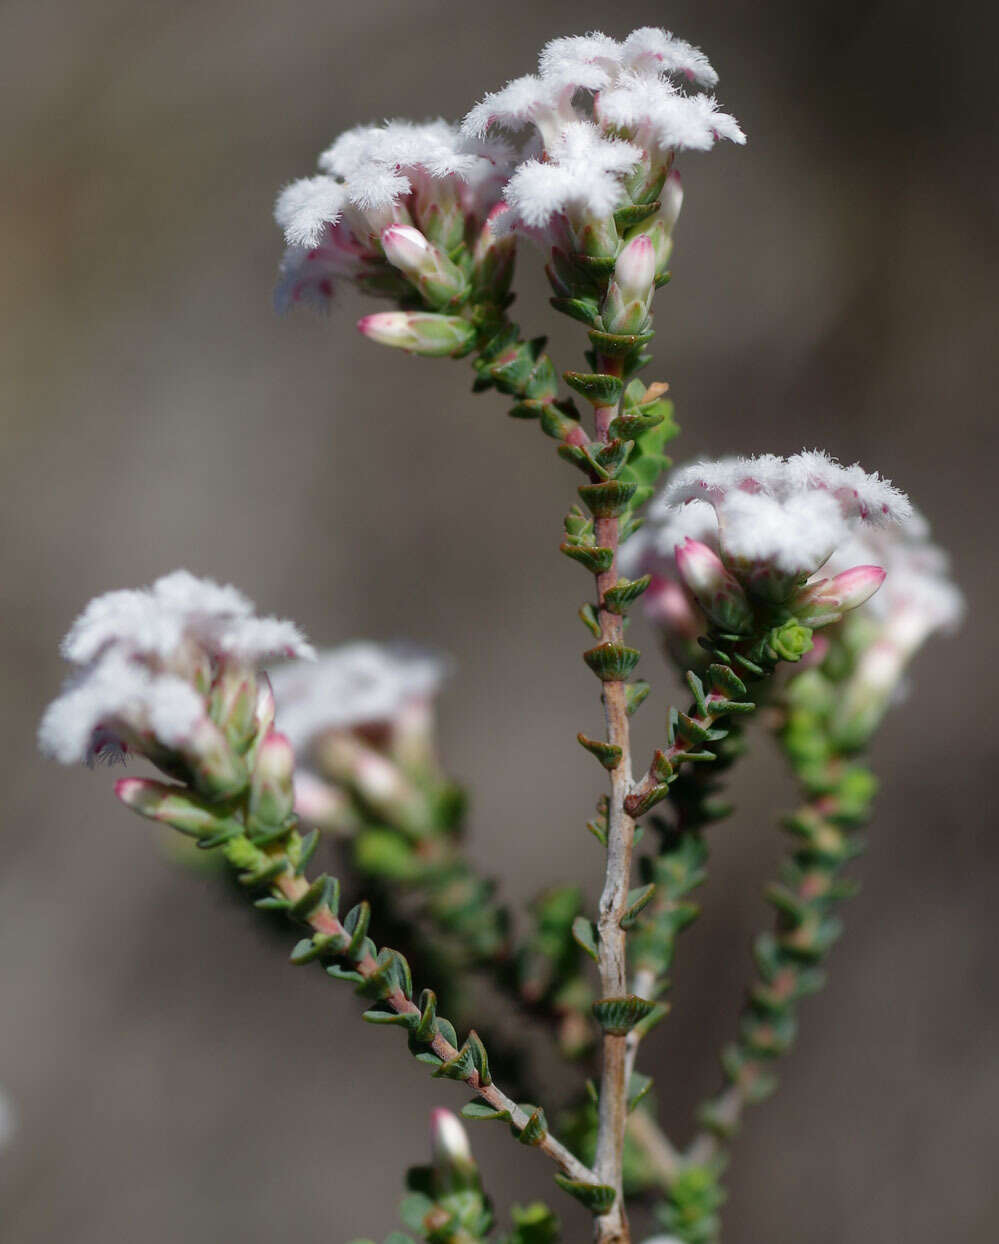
(493, 259)
(714, 587)
(453, 1165)
(425, 265)
(853, 587)
(825, 601)
(625, 308)
(407, 249)
(635, 269)
(325, 806)
(272, 797)
(171, 805)
(420, 332)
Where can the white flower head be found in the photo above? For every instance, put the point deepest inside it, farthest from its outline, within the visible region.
(530, 100)
(588, 62)
(374, 176)
(307, 208)
(581, 181)
(359, 684)
(662, 119)
(654, 50)
(159, 623)
(117, 705)
(780, 519)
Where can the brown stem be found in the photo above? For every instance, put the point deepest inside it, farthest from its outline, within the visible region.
(612, 1227)
(323, 921)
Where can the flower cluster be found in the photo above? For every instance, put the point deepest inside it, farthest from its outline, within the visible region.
(610, 117)
(361, 722)
(426, 214)
(396, 209)
(758, 528)
(170, 672)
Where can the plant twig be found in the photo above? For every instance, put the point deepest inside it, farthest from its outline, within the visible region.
(612, 962)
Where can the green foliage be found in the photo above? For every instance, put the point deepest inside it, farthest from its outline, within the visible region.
(691, 1210)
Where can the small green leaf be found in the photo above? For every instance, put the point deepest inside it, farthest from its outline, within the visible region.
(638, 1086)
(596, 387)
(598, 1198)
(617, 1016)
(637, 900)
(585, 933)
(609, 754)
(476, 1110)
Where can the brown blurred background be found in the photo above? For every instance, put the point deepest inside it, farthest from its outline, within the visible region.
(833, 285)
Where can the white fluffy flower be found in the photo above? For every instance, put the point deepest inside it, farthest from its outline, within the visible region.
(634, 74)
(374, 176)
(530, 100)
(780, 519)
(112, 705)
(662, 119)
(654, 50)
(581, 181)
(308, 207)
(358, 684)
(651, 550)
(157, 623)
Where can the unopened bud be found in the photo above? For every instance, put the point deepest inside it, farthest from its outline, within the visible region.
(420, 332)
(635, 270)
(629, 292)
(320, 804)
(424, 264)
(441, 217)
(233, 705)
(818, 604)
(714, 587)
(272, 797)
(453, 1165)
(217, 771)
(380, 783)
(671, 200)
(173, 806)
(659, 228)
(493, 260)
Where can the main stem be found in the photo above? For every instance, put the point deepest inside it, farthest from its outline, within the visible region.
(612, 1227)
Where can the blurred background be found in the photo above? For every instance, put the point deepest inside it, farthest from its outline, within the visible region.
(833, 285)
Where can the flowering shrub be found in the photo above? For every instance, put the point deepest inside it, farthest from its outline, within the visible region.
(792, 581)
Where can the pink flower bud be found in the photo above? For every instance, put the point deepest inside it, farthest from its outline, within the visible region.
(271, 791)
(635, 269)
(425, 265)
(408, 250)
(319, 803)
(172, 805)
(420, 332)
(714, 587)
(823, 602)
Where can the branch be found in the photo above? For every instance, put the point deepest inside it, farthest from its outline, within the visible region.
(838, 794)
